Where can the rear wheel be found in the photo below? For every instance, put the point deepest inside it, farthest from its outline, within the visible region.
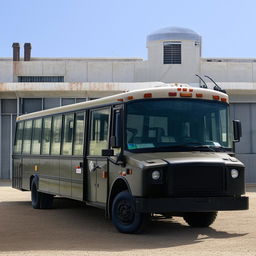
(40, 200)
(124, 216)
(200, 219)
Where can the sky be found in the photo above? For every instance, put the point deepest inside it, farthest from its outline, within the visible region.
(112, 28)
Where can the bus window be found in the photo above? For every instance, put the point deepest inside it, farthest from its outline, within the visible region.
(79, 134)
(68, 134)
(18, 138)
(56, 135)
(99, 131)
(36, 137)
(27, 137)
(46, 135)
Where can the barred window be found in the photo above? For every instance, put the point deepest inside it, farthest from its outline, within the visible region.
(40, 79)
(172, 52)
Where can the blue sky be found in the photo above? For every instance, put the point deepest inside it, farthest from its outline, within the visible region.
(112, 28)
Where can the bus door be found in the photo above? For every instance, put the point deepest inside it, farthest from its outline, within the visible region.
(77, 170)
(97, 164)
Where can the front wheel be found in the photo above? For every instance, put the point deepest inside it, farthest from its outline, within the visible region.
(200, 219)
(124, 216)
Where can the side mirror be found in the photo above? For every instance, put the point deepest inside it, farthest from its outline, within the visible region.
(107, 152)
(237, 128)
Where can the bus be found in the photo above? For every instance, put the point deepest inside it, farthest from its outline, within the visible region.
(165, 150)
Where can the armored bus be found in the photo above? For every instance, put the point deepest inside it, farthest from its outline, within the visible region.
(164, 150)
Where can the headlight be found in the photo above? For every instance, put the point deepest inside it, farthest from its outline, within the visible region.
(156, 175)
(234, 173)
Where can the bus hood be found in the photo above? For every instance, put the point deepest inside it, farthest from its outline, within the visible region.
(144, 160)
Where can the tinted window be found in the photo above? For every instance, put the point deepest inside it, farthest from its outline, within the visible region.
(177, 124)
(46, 135)
(27, 137)
(99, 131)
(68, 134)
(56, 136)
(79, 134)
(36, 137)
(18, 138)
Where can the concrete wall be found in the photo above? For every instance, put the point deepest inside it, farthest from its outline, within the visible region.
(229, 70)
(6, 70)
(184, 72)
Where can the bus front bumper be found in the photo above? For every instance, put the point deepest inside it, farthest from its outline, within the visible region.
(191, 204)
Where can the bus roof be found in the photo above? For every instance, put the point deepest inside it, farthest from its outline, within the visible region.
(168, 91)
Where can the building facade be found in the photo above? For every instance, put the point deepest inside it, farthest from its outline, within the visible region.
(174, 55)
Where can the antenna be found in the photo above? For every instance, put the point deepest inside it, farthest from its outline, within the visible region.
(216, 87)
(204, 84)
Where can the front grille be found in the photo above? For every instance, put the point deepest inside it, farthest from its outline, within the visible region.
(196, 180)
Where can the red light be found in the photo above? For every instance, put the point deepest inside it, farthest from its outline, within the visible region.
(216, 97)
(223, 99)
(172, 93)
(120, 100)
(129, 171)
(104, 174)
(148, 95)
(184, 89)
(199, 95)
(191, 90)
(179, 89)
(130, 98)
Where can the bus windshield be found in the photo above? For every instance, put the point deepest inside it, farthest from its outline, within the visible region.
(176, 125)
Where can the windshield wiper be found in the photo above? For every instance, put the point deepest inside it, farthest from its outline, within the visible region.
(196, 146)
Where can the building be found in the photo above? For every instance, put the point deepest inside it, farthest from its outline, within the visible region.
(174, 55)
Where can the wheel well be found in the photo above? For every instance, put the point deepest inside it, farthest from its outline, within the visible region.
(118, 186)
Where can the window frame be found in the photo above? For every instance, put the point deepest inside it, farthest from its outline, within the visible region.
(15, 138)
(84, 112)
(90, 128)
(63, 133)
(32, 136)
(42, 135)
(22, 150)
(61, 115)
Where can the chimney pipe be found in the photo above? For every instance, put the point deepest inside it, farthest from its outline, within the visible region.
(16, 51)
(27, 51)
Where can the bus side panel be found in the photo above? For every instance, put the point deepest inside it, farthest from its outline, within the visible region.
(65, 177)
(28, 170)
(49, 180)
(77, 178)
(17, 173)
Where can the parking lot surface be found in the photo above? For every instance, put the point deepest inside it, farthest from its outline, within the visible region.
(74, 229)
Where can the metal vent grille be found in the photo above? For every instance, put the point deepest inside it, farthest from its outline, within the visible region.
(172, 53)
(40, 79)
(198, 180)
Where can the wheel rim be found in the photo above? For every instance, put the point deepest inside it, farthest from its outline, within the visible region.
(125, 212)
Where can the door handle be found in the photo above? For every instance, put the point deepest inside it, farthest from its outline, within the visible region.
(93, 166)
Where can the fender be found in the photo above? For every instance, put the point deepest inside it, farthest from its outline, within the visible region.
(124, 185)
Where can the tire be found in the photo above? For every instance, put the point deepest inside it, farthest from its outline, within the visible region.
(124, 217)
(200, 219)
(40, 200)
(35, 195)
